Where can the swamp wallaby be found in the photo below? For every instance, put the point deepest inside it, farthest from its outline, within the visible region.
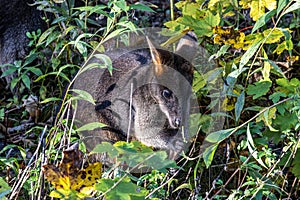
(147, 97)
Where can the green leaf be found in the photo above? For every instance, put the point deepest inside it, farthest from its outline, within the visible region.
(71, 66)
(69, 29)
(94, 9)
(267, 117)
(28, 34)
(43, 76)
(184, 185)
(122, 5)
(288, 86)
(128, 25)
(26, 80)
(275, 97)
(239, 105)
(263, 20)
(4, 189)
(81, 47)
(35, 70)
(106, 147)
(281, 5)
(140, 6)
(259, 89)
(124, 190)
(9, 71)
(115, 33)
(9, 146)
(53, 36)
(107, 61)
(285, 121)
(294, 6)
(280, 48)
(50, 99)
(296, 164)
(84, 95)
(222, 51)
(91, 126)
(2, 114)
(59, 19)
(132, 147)
(85, 36)
(14, 82)
(275, 67)
(157, 160)
(204, 25)
(249, 53)
(209, 153)
(219, 136)
(198, 82)
(175, 26)
(135, 153)
(252, 148)
(30, 58)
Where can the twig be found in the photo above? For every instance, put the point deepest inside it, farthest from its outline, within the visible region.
(255, 116)
(17, 186)
(130, 113)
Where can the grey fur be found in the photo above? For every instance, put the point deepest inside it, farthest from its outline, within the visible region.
(154, 107)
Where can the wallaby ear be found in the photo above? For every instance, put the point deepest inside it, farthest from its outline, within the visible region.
(187, 46)
(156, 58)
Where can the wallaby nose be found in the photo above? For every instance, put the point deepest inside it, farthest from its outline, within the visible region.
(177, 122)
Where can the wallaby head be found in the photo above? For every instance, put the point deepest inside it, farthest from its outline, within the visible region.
(162, 95)
(146, 98)
(168, 104)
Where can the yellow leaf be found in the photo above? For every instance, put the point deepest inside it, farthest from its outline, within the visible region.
(229, 36)
(280, 48)
(292, 59)
(270, 4)
(229, 14)
(245, 4)
(228, 104)
(188, 8)
(61, 194)
(223, 3)
(274, 37)
(258, 7)
(252, 39)
(257, 10)
(266, 69)
(239, 41)
(69, 180)
(87, 191)
(267, 117)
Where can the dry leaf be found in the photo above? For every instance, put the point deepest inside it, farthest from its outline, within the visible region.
(69, 179)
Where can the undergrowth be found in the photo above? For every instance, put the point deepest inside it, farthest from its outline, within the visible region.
(254, 46)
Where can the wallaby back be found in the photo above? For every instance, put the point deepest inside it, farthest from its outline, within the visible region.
(146, 98)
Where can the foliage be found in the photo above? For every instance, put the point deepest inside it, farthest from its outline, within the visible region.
(68, 179)
(120, 189)
(136, 155)
(255, 45)
(4, 188)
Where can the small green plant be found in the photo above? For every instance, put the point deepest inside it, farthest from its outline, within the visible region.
(22, 69)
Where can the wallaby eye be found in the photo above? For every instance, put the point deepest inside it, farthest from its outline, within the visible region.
(166, 93)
